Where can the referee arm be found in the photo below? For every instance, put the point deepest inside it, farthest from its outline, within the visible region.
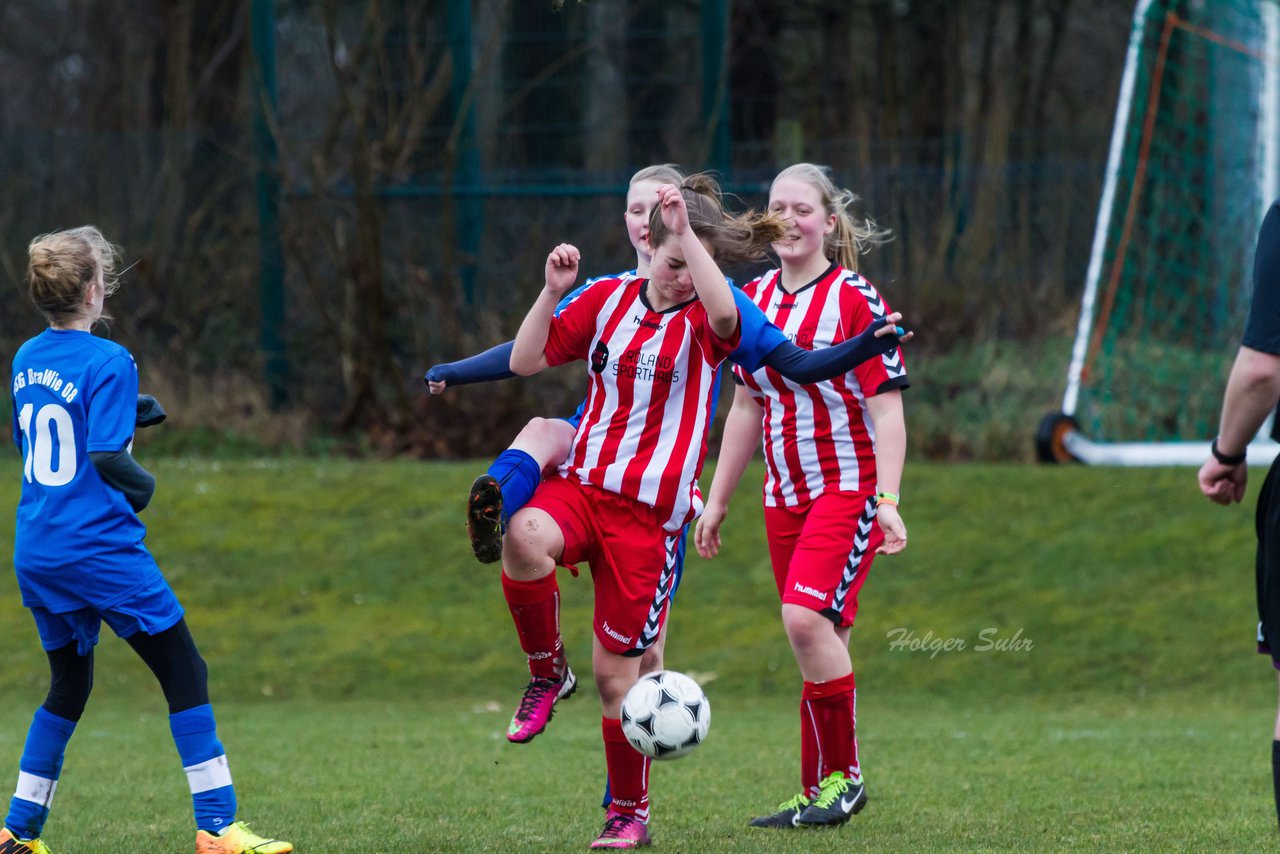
(1252, 391)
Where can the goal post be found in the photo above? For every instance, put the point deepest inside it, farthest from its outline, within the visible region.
(1193, 165)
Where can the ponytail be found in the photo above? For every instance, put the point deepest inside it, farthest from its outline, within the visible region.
(734, 237)
(63, 265)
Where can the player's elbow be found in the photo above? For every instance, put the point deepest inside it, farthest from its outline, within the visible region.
(1258, 373)
(724, 325)
(526, 367)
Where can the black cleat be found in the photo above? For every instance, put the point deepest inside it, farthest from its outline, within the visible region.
(484, 519)
(787, 813)
(839, 800)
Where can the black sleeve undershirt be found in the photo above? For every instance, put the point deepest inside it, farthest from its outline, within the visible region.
(119, 470)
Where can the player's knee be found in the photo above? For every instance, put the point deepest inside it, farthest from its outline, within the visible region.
(70, 684)
(547, 440)
(805, 628)
(651, 661)
(527, 547)
(535, 433)
(536, 427)
(529, 534)
(612, 688)
(186, 684)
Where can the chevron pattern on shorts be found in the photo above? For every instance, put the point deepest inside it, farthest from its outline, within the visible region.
(654, 621)
(861, 542)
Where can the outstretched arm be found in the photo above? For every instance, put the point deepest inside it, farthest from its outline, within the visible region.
(810, 366)
(492, 364)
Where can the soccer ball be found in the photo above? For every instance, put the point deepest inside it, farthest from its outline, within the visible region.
(665, 715)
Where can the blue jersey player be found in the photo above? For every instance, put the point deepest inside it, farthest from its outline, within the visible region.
(78, 546)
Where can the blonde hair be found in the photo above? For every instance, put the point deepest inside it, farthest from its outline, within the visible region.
(664, 173)
(63, 265)
(734, 237)
(852, 236)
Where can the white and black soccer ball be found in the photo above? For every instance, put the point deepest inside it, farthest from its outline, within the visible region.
(665, 715)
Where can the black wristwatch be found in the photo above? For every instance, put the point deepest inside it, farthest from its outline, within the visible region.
(1223, 458)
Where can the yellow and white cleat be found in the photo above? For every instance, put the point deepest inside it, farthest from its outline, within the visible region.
(237, 839)
(10, 844)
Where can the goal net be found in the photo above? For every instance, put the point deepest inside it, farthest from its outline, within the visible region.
(1193, 165)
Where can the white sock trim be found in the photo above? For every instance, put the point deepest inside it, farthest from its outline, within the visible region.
(213, 774)
(38, 790)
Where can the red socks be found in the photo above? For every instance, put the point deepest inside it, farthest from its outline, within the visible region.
(828, 741)
(535, 608)
(628, 771)
(810, 756)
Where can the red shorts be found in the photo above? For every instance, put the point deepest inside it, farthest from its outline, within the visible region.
(822, 551)
(632, 559)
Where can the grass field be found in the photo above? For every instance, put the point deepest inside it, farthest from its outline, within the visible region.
(364, 668)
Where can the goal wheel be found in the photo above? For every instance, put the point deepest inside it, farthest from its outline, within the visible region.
(1051, 438)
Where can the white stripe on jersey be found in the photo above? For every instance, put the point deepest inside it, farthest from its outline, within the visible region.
(818, 436)
(643, 431)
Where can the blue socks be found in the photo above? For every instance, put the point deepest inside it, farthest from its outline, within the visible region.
(194, 733)
(204, 760)
(38, 773)
(519, 475)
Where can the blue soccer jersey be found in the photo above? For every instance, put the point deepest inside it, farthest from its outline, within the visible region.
(759, 336)
(78, 543)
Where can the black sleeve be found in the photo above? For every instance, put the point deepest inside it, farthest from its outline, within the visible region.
(1262, 329)
(119, 470)
(810, 366)
(492, 364)
(150, 412)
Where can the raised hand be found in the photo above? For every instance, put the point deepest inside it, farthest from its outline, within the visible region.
(675, 216)
(562, 268)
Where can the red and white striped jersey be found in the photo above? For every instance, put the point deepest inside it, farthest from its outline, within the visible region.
(649, 406)
(819, 436)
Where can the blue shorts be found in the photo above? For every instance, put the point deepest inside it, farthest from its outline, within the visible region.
(679, 567)
(152, 610)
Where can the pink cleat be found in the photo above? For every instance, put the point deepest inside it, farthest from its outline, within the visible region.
(622, 831)
(538, 705)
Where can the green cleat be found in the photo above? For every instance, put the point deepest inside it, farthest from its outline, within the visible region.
(839, 799)
(788, 812)
(10, 844)
(239, 839)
